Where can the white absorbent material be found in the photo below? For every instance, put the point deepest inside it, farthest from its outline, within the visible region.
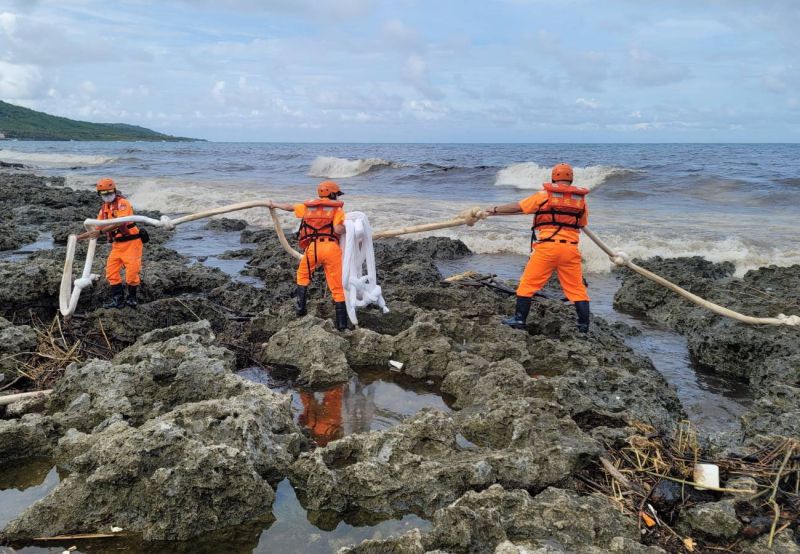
(360, 289)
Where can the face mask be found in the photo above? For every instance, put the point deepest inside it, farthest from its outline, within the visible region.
(108, 197)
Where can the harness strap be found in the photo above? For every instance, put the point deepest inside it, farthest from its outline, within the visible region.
(562, 241)
(127, 238)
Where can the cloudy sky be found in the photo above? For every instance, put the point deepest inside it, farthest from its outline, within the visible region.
(412, 70)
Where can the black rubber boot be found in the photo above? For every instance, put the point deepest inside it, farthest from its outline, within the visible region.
(131, 299)
(117, 297)
(520, 314)
(300, 295)
(582, 307)
(341, 316)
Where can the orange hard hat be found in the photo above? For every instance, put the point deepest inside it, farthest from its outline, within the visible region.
(326, 188)
(561, 172)
(106, 185)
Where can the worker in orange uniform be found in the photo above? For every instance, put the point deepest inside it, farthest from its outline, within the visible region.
(126, 245)
(322, 223)
(323, 419)
(559, 213)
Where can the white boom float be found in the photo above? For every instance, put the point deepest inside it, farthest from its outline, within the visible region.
(362, 289)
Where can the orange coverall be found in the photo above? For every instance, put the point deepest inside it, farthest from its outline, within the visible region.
(323, 419)
(127, 254)
(325, 252)
(563, 257)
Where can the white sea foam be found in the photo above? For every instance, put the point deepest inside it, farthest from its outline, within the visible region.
(340, 168)
(47, 160)
(530, 175)
(662, 236)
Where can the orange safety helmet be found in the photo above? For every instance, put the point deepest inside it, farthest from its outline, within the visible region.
(106, 185)
(326, 188)
(561, 172)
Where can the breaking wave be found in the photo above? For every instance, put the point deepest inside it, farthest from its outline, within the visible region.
(530, 175)
(740, 242)
(339, 168)
(744, 256)
(45, 160)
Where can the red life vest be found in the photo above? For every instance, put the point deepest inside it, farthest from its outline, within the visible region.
(121, 234)
(318, 221)
(564, 207)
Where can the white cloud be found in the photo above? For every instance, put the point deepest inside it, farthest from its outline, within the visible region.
(218, 91)
(44, 39)
(587, 103)
(416, 73)
(674, 29)
(647, 69)
(400, 33)
(8, 22)
(20, 81)
(314, 9)
(88, 87)
(775, 79)
(425, 109)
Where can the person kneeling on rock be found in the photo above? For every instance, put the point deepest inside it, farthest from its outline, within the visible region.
(126, 245)
(559, 213)
(322, 223)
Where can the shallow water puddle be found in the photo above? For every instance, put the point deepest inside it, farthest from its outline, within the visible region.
(44, 242)
(713, 403)
(206, 245)
(292, 531)
(289, 530)
(21, 484)
(372, 400)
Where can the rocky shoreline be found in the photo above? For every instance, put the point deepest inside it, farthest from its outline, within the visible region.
(765, 357)
(158, 436)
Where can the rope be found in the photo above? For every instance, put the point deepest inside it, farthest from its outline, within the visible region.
(622, 259)
(70, 292)
(468, 217)
(473, 215)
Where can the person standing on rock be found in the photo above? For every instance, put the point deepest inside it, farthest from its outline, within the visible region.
(126, 245)
(322, 223)
(559, 213)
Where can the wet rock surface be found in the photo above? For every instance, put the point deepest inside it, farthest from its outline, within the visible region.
(161, 438)
(767, 357)
(15, 344)
(714, 519)
(502, 520)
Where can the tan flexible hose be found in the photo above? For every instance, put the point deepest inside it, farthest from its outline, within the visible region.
(621, 259)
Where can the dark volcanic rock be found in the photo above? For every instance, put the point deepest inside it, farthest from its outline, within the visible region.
(225, 224)
(513, 522)
(766, 356)
(164, 440)
(15, 344)
(419, 467)
(197, 468)
(12, 237)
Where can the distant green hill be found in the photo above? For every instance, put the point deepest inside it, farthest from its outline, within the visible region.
(21, 123)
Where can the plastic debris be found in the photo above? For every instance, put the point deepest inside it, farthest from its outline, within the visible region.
(706, 475)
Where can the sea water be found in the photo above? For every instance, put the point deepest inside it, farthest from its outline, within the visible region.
(739, 202)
